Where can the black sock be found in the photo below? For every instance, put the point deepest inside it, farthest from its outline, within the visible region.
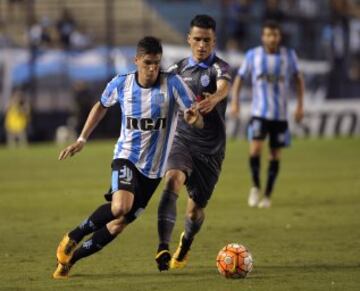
(273, 171)
(163, 246)
(99, 239)
(192, 227)
(185, 247)
(254, 162)
(97, 220)
(166, 218)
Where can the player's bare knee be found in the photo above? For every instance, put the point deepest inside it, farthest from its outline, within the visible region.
(118, 209)
(255, 148)
(174, 180)
(255, 152)
(275, 154)
(116, 226)
(196, 214)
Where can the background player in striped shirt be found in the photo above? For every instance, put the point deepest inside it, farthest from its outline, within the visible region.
(197, 154)
(149, 102)
(272, 69)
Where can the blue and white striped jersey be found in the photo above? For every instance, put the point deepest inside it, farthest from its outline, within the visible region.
(271, 76)
(148, 119)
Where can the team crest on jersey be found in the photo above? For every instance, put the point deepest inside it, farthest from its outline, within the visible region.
(205, 80)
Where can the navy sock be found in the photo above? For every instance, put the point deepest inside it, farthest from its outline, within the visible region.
(192, 227)
(97, 220)
(273, 171)
(99, 239)
(254, 163)
(166, 218)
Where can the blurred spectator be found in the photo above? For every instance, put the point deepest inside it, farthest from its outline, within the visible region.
(340, 27)
(84, 100)
(309, 8)
(15, 8)
(273, 11)
(17, 118)
(239, 13)
(354, 70)
(39, 34)
(66, 26)
(79, 40)
(340, 83)
(4, 39)
(66, 133)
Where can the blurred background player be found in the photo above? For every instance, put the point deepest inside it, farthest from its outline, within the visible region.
(197, 154)
(272, 68)
(17, 120)
(149, 100)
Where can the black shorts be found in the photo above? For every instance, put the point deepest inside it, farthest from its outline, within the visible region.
(278, 131)
(125, 176)
(202, 171)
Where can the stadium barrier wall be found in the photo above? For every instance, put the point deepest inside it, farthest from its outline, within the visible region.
(325, 119)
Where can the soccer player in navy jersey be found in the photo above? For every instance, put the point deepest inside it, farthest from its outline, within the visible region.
(272, 69)
(196, 155)
(149, 102)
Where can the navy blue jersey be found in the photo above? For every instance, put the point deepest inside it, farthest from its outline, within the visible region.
(202, 77)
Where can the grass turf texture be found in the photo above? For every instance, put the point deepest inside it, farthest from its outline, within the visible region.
(308, 240)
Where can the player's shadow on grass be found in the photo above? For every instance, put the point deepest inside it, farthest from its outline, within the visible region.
(261, 272)
(312, 266)
(192, 272)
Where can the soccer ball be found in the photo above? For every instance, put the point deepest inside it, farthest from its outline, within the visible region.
(234, 261)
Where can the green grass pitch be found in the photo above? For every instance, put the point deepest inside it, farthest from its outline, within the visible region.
(308, 240)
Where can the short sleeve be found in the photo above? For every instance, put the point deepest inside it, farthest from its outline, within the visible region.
(246, 66)
(110, 96)
(293, 62)
(173, 69)
(222, 71)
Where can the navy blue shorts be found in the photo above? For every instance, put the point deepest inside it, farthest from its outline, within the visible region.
(125, 176)
(277, 130)
(202, 171)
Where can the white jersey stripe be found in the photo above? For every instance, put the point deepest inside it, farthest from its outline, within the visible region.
(151, 140)
(271, 76)
(148, 119)
(161, 140)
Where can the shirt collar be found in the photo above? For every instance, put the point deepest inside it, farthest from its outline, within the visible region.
(203, 64)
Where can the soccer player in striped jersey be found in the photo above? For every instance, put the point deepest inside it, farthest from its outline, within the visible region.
(197, 154)
(149, 102)
(272, 69)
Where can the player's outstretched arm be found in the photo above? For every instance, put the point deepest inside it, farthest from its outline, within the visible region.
(210, 101)
(193, 117)
(235, 100)
(96, 114)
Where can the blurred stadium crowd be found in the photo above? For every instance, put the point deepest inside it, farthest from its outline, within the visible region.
(56, 56)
